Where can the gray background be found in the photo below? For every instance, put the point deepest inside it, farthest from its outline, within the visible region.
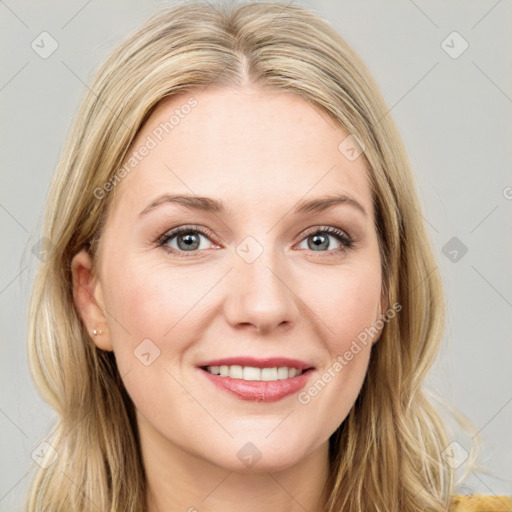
(455, 118)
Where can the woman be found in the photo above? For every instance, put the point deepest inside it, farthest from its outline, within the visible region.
(239, 298)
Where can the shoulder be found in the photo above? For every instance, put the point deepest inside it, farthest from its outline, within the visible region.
(481, 503)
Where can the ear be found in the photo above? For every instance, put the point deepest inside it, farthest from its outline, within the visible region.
(88, 299)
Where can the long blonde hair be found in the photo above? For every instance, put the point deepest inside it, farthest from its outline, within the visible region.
(387, 454)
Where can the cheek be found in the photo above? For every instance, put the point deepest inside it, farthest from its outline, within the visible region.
(150, 316)
(148, 301)
(346, 302)
(358, 303)
(347, 305)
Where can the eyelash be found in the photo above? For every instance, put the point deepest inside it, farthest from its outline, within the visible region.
(341, 236)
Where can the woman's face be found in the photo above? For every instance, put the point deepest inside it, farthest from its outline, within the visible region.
(255, 275)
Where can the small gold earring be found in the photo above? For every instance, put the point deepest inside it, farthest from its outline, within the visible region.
(96, 332)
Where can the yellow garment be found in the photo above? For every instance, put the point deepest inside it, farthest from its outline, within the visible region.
(481, 503)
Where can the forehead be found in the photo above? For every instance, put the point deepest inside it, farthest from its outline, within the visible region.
(249, 147)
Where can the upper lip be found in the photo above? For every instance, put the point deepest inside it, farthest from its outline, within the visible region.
(269, 362)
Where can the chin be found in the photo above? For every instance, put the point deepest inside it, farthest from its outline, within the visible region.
(264, 456)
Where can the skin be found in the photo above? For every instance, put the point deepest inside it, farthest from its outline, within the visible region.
(260, 153)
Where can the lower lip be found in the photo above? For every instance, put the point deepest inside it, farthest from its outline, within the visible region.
(259, 390)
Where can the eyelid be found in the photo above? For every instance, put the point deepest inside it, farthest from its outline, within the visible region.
(332, 230)
(187, 227)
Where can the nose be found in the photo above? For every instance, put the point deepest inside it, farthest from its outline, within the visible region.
(261, 294)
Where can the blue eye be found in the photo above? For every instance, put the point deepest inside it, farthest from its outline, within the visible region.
(320, 239)
(188, 240)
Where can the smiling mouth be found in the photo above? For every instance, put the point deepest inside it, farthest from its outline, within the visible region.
(252, 373)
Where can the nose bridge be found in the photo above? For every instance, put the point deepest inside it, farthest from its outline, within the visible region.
(261, 293)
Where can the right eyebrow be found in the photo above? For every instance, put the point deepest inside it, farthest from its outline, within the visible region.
(206, 204)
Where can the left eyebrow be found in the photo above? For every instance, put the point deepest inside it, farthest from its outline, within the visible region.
(208, 204)
(324, 203)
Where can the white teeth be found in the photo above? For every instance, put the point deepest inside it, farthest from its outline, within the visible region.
(269, 373)
(251, 373)
(283, 372)
(236, 371)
